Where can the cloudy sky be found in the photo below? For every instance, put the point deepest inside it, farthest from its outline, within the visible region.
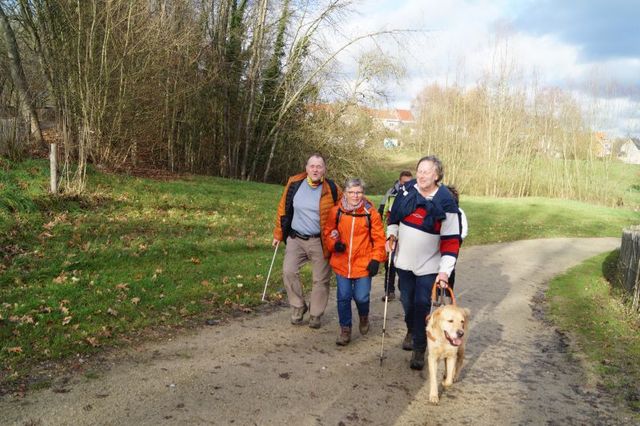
(590, 48)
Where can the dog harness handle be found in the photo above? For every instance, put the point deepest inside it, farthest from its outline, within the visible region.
(434, 293)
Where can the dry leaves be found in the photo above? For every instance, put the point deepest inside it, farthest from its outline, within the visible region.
(25, 319)
(123, 286)
(93, 341)
(60, 278)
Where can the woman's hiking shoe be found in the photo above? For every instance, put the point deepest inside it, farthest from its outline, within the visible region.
(314, 321)
(417, 360)
(364, 324)
(344, 337)
(298, 314)
(407, 343)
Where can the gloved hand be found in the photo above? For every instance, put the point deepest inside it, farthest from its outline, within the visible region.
(372, 267)
(339, 247)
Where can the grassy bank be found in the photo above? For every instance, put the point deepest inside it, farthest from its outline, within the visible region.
(608, 183)
(584, 305)
(78, 274)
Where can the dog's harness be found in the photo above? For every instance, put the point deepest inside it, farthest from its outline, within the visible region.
(438, 300)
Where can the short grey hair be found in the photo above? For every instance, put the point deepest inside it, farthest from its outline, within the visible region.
(351, 182)
(316, 155)
(437, 163)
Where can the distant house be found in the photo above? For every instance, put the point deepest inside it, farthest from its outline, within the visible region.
(393, 119)
(630, 151)
(603, 145)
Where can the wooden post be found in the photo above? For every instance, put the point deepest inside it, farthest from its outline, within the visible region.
(629, 263)
(53, 164)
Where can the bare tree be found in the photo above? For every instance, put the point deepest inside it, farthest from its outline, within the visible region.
(18, 76)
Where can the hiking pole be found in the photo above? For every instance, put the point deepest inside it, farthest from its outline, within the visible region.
(386, 303)
(270, 268)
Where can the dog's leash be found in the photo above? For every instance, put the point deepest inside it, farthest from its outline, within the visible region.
(439, 300)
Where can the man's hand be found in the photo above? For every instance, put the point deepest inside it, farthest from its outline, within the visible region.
(275, 242)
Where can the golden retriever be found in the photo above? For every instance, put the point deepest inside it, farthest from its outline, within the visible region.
(446, 336)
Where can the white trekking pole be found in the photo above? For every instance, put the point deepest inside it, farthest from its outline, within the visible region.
(270, 268)
(386, 303)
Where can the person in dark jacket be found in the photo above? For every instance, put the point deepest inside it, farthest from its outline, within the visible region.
(385, 207)
(302, 212)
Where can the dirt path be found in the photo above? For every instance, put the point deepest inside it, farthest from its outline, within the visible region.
(261, 370)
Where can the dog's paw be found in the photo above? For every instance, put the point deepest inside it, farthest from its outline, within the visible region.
(446, 383)
(434, 399)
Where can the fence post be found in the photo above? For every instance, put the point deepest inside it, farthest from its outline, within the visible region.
(53, 165)
(629, 263)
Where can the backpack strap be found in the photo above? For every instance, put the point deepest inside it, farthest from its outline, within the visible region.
(366, 214)
(334, 190)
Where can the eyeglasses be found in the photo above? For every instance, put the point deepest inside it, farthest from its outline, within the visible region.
(355, 192)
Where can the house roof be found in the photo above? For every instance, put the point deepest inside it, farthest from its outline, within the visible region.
(405, 115)
(402, 115)
(636, 142)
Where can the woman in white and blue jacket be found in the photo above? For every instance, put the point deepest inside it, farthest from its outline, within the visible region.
(424, 233)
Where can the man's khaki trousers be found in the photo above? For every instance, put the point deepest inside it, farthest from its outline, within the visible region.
(299, 252)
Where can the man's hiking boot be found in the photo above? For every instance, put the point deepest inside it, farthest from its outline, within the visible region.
(417, 360)
(390, 296)
(407, 343)
(344, 337)
(364, 324)
(298, 314)
(314, 321)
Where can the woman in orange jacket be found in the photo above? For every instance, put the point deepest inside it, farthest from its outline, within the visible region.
(355, 237)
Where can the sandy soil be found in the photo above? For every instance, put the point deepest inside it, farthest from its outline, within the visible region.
(262, 370)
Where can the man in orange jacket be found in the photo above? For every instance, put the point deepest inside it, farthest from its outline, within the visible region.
(302, 213)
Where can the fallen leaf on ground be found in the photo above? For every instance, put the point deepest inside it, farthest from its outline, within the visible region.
(93, 341)
(60, 278)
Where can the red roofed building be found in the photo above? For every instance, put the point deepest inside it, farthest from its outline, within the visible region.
(393, 119)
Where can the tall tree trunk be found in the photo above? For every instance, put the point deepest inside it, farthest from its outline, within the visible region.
(253, 80)
(17, 74)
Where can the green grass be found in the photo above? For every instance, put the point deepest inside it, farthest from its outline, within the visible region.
(583, 304)
(610, 183)
(510, 219)
(78, 274)
(134, 253)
